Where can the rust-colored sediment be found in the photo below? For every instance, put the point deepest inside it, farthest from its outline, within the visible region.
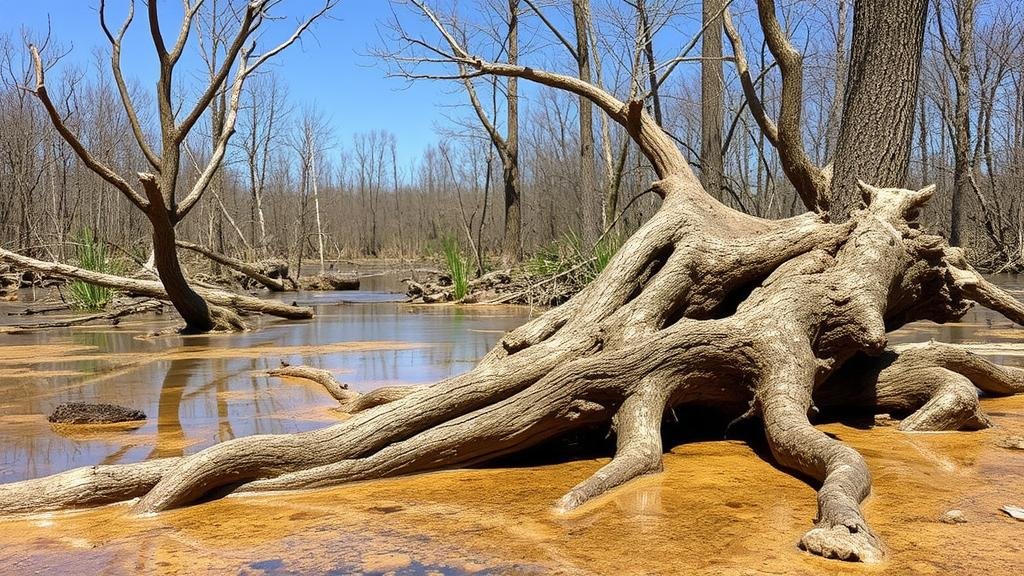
(717, 509)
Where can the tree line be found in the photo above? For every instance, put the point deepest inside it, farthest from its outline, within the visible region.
(517, 169)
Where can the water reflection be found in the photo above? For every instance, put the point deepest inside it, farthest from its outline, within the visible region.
(201, 390)
(717, 509)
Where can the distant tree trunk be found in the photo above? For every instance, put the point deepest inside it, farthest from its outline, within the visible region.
(839, 92)
(712, 88)
(316, 202)
(647, 39)
(960, 66)
(512, 243)
(591, 197)
(881, 89)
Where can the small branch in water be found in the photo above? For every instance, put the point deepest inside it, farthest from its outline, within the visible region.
(134, 308)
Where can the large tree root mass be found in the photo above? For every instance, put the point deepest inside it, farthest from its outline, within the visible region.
(702, 306)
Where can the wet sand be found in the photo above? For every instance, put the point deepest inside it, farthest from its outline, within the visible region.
(719, 507)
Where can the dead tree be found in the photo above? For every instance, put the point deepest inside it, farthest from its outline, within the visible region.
(703, 305)
(958, 56)
(158, 198)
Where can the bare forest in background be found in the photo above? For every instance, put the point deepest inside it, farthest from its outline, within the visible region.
(290, 183)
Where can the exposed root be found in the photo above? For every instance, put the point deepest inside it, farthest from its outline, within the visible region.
(350, 401)
(840, 530)
(953, 406)
(338, 390)
(935, 385)
(226, 320)
(638, 448)
(704, 306)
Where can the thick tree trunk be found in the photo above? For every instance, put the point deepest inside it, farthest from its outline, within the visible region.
(881, 91)
(190, 305)
(712, 89)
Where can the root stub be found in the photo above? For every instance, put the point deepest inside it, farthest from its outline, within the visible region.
(703, 306)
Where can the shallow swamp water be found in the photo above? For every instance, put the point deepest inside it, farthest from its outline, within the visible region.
(719, 507)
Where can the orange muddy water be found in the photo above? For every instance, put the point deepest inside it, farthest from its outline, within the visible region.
(719, 507)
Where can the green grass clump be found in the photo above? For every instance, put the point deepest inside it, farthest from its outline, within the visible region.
(569, 256)
(91, 255)
(458, 266)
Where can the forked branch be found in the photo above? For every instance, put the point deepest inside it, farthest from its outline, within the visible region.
(810, 181)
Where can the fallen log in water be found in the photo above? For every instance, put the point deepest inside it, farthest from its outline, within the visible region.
(250, 270)
(154, 289)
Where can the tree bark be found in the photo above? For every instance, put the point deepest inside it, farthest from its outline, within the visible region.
(881, 90)
(712, 88)
(590, 196)
(189, 304)
(512, 241)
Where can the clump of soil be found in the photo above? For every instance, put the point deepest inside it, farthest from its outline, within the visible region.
(85, 413)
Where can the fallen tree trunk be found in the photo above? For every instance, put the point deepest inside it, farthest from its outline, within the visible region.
(235, 264)
(703, 306)
(223, 301)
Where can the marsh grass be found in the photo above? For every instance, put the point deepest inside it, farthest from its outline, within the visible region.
(91, 255)
(458, 266)
(569, 256)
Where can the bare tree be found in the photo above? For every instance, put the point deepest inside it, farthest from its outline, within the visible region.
(158, 199)
(958, 55)
(712, 82)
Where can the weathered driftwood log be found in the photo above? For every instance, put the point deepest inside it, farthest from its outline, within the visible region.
(115, 315)
(349, 400)
(250, 270)
(703, 305)
(223, 302)
(329, 281)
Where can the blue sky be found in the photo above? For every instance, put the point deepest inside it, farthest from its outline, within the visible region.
(330, 67)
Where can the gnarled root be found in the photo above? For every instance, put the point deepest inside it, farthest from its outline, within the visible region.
(840, 530)
(936, 385)
(350, 401)
(637, 447)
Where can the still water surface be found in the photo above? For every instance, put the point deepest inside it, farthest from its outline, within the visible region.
(719, 508)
